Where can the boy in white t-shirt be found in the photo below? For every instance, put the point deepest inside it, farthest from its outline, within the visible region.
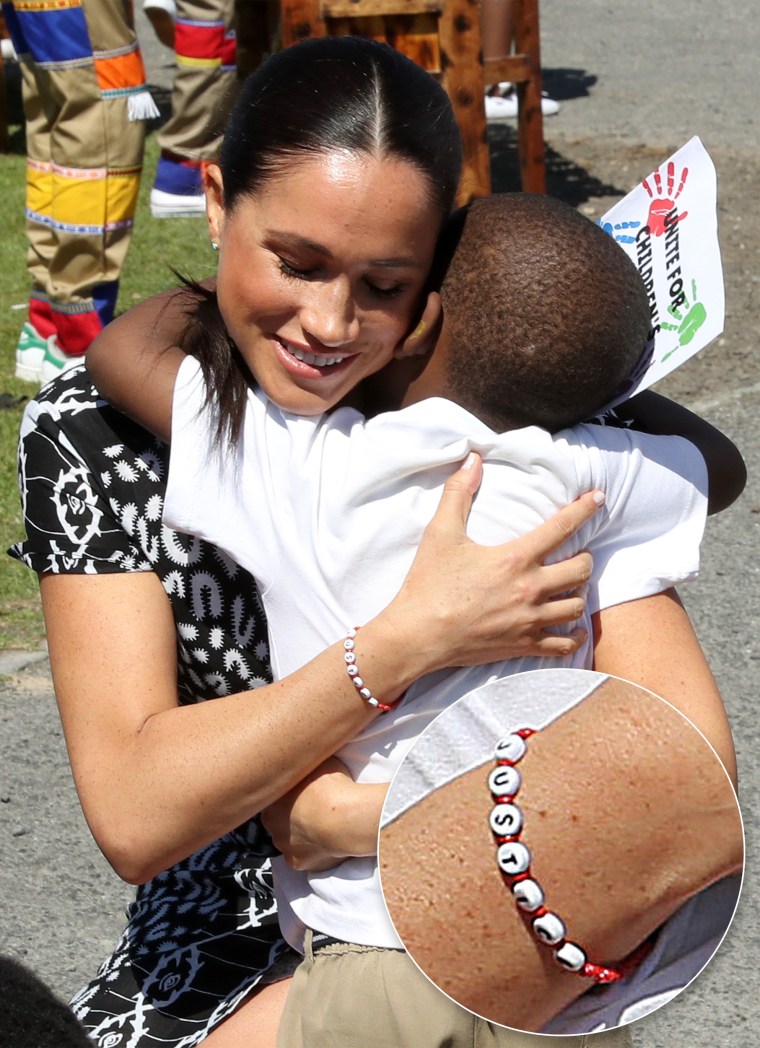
(545, 317)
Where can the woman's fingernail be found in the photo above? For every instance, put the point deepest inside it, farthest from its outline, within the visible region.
(469, 462)
(600, 498)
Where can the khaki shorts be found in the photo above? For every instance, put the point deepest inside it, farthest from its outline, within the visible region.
(347, 995)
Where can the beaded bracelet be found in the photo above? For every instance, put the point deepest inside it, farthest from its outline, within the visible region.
(513, 859)
(356, 680)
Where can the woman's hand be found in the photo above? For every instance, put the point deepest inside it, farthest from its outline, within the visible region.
(326, 818)
(469, 604)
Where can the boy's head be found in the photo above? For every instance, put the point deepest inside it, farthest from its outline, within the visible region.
(545, 315)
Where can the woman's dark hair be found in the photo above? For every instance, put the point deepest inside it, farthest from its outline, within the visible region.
(340, 93)
(318, 96)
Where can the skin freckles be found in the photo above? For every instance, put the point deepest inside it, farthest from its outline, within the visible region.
(617, 823)
(321, 272)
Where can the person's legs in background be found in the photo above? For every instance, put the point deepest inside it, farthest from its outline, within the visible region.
(85, 102)
(203, 93)
(496, 36)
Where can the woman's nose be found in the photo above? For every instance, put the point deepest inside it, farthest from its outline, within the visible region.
(329, 315)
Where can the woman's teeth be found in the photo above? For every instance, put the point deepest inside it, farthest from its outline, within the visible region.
(313, 359)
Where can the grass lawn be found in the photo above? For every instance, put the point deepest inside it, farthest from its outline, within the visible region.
(157, 245)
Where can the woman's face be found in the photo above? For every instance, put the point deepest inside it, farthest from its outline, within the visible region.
(321, 272)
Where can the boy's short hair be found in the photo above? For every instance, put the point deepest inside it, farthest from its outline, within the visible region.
(547, 316)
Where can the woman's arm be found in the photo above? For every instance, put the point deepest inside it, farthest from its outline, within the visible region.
(652, 642)
(158, 781)
(134, 360)
(726, 471)
(627, 814)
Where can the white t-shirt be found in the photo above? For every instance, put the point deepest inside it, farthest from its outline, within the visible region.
(327, 514)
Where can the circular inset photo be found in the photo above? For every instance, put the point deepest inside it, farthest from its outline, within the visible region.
(561, 852)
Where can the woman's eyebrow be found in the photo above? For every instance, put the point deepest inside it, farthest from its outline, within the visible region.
(293, 241)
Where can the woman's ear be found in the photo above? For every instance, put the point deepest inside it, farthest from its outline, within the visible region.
(423, 338)
(213, 187)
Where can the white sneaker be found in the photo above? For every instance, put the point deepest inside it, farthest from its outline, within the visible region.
(498, 108)
(504, 106)
(176, 205)
(7, 50)
(56, 362)
(549, 107)
(30, 352)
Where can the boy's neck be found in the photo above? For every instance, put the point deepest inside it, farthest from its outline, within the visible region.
(403, 382)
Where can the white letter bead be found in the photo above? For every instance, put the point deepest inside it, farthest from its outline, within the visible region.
(349, 644)
(352, 671)
(549, 928)
(513, 857)
(512, 748)
(506, 820)
(358, 682)
(528, 895)
(504, 781)
(570, 956)
(350, 657)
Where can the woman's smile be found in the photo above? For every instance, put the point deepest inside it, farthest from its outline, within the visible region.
(322, 272)
(308, 364)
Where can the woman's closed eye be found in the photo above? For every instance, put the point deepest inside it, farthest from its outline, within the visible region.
(297, 272)
(385, 292)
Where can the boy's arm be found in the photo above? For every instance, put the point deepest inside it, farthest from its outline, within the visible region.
(326, 818)
(135, 359)
(726, 471)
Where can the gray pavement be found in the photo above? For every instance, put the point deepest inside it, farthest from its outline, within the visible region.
(635, 81)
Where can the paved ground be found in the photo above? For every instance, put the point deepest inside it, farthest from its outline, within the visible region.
(635, 81)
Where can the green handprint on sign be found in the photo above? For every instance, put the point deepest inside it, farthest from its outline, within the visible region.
(690, 317)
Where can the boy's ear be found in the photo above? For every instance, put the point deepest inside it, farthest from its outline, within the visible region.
(422, 340)
(213, 187)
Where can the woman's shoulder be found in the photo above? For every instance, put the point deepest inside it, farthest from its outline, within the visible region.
(69, 414)
(87, 476)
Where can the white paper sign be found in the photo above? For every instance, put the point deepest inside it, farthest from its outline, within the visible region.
(668, 226)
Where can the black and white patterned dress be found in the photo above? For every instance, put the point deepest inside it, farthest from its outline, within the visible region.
(202, 934)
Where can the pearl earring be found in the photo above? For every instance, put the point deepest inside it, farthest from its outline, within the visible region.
(214, 245)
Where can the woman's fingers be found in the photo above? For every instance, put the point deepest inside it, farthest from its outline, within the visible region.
(565, 576)
(456, 501)
(484, 603)
(558, 645)
(557, 529)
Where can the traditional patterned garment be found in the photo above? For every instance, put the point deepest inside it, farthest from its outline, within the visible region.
(85, 102)
(200, 936)
(218, 42)
(203, 93)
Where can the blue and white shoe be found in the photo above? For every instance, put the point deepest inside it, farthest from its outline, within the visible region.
(178, 189)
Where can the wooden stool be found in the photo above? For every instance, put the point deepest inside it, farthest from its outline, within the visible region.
(443, 36)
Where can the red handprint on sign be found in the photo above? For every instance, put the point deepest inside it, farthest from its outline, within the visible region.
(662, 205)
